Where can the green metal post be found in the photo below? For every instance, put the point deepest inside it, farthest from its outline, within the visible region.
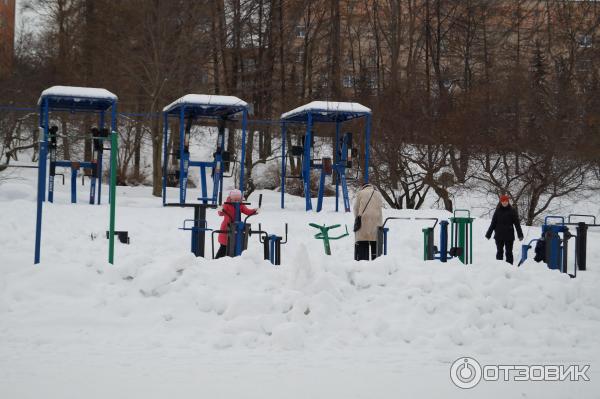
(451, 232)
(425, 243)
(461, 239)
(326, 243)
(471, 241)
(113, 196)
(464, 235)
(324, 235)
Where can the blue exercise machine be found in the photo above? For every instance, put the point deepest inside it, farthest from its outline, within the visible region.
(188, 109)
(552, 247)
(69, 99)
(239, 231)
(343, 153)
(94, 166)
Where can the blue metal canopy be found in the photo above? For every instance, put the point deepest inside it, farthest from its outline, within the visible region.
(206, 106)
(70, 98)
(326, 111)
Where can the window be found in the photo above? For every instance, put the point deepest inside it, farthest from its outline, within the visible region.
(249, 64)
(585, 41)
(372, 82)
(300, 31)
(348, 81)
(299, 56)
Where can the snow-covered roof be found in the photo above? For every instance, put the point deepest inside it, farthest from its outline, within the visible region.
(327, 111)
(207, 105)
(72, 97)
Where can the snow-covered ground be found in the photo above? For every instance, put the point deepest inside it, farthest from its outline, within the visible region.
(162, 323)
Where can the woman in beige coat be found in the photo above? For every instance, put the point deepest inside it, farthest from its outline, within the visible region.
(368, 205)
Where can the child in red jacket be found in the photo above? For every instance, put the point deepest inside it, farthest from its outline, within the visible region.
(228, 213)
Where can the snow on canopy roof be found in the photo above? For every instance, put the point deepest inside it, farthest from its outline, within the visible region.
(327, 111)
(72, 97)
(207, 105)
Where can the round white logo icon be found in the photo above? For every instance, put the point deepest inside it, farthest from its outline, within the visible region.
(465, 372)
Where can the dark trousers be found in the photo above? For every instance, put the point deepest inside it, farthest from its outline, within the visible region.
(361, 250)
(221, 252)
(507, 247)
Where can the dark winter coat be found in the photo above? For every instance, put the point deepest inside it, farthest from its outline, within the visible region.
(228, 214)
(505, 217)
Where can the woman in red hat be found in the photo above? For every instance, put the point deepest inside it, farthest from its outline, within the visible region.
(505, 217)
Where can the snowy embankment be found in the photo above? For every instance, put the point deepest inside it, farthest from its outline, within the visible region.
(161, 322)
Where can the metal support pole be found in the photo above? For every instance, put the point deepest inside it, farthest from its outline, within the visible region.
(470, 242)
(198, 235)
(113, 128)
(581, 245)
(321, 190)
(203, 187)
(239, 229)
(165, 156)
(74, 184)
(272, 254)
(244, 127)
(220, 194)
(336, 160)
(182, 178)
(444, 241)
(428, 238)
(367, 141)
(45, 123)
(114, 150)
(283, 163)
(43, 144)
(100, 159)
(306, 162)
(565, 250)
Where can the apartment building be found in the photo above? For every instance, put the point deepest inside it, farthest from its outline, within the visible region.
(7, 35)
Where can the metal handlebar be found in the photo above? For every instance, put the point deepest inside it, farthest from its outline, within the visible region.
(462, 210)
(582, 216)
(194, 228)
(259, 204)
(436, 220)
(393, 218)
(562, 219)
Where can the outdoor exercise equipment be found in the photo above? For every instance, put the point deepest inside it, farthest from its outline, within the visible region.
(323, 234)
(343, 152)
(553, 246)
(198, 226)
(461, 239)
(94, 166)
(188, 109)
(271, 244)
(123, 236)
(238, 231)
(75, 99)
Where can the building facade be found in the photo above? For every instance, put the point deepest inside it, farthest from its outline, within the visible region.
(7, 36)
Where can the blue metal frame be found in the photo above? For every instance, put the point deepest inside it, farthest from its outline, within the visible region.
(201, 111)
(309, 117)
(50, 103)
(555, 237)
(556, 249)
